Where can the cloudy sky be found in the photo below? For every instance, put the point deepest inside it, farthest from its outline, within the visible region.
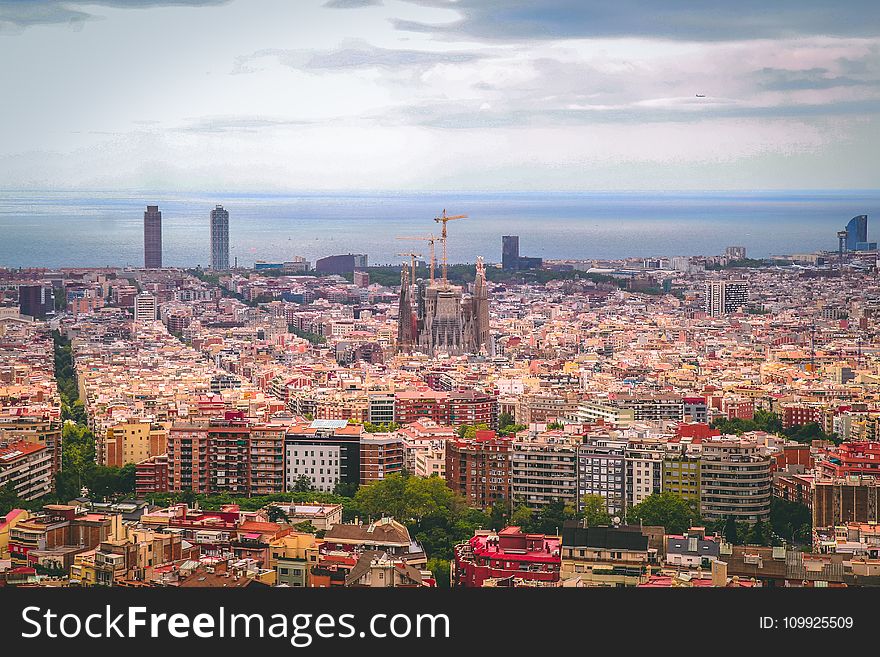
(291, 95)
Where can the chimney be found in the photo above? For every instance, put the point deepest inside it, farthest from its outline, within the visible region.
(719, 573)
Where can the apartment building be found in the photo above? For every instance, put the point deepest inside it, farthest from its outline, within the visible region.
(381, 455)
(644, 469)
(325, 451)
(606, 556)
(40, 429)
(735, 480)
(424, 445)
(601, 470)
(131, 441)
(479, 469)
(543, 469)
(27, 467)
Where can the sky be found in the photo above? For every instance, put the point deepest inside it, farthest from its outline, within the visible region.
(327, 95)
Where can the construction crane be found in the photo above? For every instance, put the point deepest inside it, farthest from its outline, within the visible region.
(412, 259)
(430, 239)
(443, 218)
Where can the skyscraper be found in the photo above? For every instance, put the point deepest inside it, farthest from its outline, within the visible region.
(35, 301)
(153, 238)
(857, 234)
(723, 297)
(510, 252)
(219, 238)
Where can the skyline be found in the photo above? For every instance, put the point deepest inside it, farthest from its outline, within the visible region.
(267, 97)
(84, 229)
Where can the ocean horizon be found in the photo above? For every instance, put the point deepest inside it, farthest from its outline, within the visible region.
(100, 228)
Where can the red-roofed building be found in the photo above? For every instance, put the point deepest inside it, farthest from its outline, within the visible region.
(850, 459)
(510, 552)
(696, 430)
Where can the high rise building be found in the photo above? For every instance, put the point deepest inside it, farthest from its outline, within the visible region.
(219, 239)
(735, 252)
(735, 480)
(35, 301)
(144, 308)
(153, 238)
(724, 297)
(856, 232)
(510, 252)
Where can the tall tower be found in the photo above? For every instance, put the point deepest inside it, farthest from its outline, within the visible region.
(481, 308)
(857, 233)
(153, 238)
(219, 238)
(405, 337)
(510, 252)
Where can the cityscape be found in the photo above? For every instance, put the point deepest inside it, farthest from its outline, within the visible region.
(685, 421)
(523, 306)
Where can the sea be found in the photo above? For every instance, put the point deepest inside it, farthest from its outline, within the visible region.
(95, 229)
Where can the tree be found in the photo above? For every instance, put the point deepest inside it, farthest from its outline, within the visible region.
(730, 531)
(521, 517)
(553, 426)
(346, 488)
(666, 509)
(469, 431)
(551, 518)
(306, 527)
(440, 569)
(276, 514)
(303, 484)
(790, 520)
(498, 516)
(8, 499)
(758, 534)
(595, 511)
(505, 419)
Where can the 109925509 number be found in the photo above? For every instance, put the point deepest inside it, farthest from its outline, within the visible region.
(817, 622)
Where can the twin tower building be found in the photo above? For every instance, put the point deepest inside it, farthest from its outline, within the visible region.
(219, 238)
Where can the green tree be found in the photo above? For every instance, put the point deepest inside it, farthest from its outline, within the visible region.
(499, 517)
(758, 534)
(595, 511)
(276, 514)
(553, 426)
(521, 516)
(551, 518)
(345, 488)
(8, 499)
(505, 419)
(790, 520)
(303, 484)
(665, 509)
(731, 534)
(440, 569)
(469, 431)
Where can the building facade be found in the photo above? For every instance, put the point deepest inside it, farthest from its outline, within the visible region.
(152, 238)
(219, 239)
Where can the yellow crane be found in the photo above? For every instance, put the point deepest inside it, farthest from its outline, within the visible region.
(412, 259)
(444, 218)
(430, 239)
